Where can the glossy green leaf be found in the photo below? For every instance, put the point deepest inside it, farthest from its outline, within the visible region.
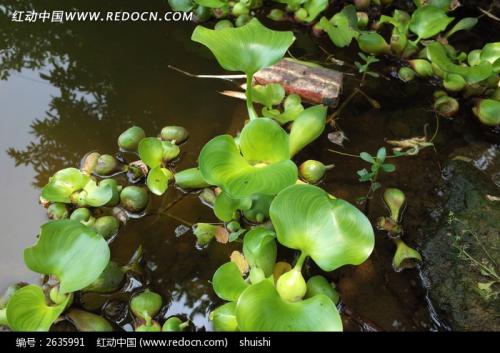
(158, 179)
(488, 111)
(248, 48)
(96, 195)
(331, 231)
(464, 24)
(28, 310)
(222, 164)
(260, 308)
(268, 95)
(490, 52)
(228, 283)
(264, 141)
(225, 206)
(63, 183)
(342, 27)
(436, 53)
(428, 21)
(260, 249)
(307, 127)
(373, 43)
(72, 252)
(314, 8)
(320, 285)
(151, 151)
(190, 179)
(224, 318)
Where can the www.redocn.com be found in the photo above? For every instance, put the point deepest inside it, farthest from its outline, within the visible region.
(57, 16)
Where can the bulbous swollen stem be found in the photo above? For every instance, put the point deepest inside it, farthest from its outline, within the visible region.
(251, 110)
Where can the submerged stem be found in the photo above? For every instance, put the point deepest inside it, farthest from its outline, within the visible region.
(251, 110)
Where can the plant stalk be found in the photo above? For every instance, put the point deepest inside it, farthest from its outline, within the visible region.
(251, 110)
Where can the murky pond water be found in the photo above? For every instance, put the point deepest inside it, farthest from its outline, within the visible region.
(82, 84)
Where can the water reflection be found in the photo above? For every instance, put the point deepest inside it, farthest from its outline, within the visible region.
(102, 78)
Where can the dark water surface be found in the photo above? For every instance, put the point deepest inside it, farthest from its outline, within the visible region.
(81, 84)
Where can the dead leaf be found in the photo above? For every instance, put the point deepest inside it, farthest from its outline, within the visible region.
(240, 261)
(221, 235)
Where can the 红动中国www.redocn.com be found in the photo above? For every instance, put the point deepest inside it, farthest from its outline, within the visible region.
(98, 16)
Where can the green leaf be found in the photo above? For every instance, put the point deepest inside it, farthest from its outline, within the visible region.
(367, 158)
(436, 53)
(381, 154)
(224, 317)
(181, 5)
(373, 43)
(151, 151)
(488, 111)
(72, 252)
(222, 164)
(264, 141)
(63, 183)
(248, 48)
(490, 52)
(388, 167)
(307, 127)
(314, 8)
(228, 283)
(442, 4)
(331, 231)
(464, 24)
(28, 310)
(225, 206)
(342, 27)
(259, 248)
(260, 308)
(96, 195)
(428, 21)
(158, 179)
(211, 4)
(268, 95)
(190, 178)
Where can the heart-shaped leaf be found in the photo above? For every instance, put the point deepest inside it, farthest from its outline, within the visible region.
(72, 252)
(28, 310)
(331, 231)
(263, 168)
(248, 48)
(260, 308)
(63, 183)
(96, 195)
(307, 127)
(151, 151)
(264, 141)
(429, 21)
(260, 249)
(228, 283)
(158, 179)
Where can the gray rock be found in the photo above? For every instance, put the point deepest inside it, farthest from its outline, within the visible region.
(463, 248)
